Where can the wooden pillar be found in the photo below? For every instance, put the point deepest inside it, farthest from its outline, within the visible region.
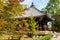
(45, 27)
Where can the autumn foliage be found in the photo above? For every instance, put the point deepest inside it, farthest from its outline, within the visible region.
(13, 8)
(3, 22)
(10, 8)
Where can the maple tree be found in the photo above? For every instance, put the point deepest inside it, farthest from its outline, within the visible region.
(10, 8)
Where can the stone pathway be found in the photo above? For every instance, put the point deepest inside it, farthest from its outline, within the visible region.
(56, 38)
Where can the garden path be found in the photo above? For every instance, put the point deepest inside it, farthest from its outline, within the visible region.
(56, 38)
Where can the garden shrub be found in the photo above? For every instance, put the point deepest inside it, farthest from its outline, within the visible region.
(46, 37)
(41, 34)
(30, 34)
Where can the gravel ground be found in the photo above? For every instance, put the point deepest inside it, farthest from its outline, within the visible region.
(56, 38)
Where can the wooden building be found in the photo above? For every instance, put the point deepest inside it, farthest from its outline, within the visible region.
(42, 17)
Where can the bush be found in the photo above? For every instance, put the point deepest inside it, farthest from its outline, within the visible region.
(41, 34)
(30, 34)
(46, 37)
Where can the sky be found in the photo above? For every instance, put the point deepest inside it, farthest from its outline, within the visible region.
(39, 4)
